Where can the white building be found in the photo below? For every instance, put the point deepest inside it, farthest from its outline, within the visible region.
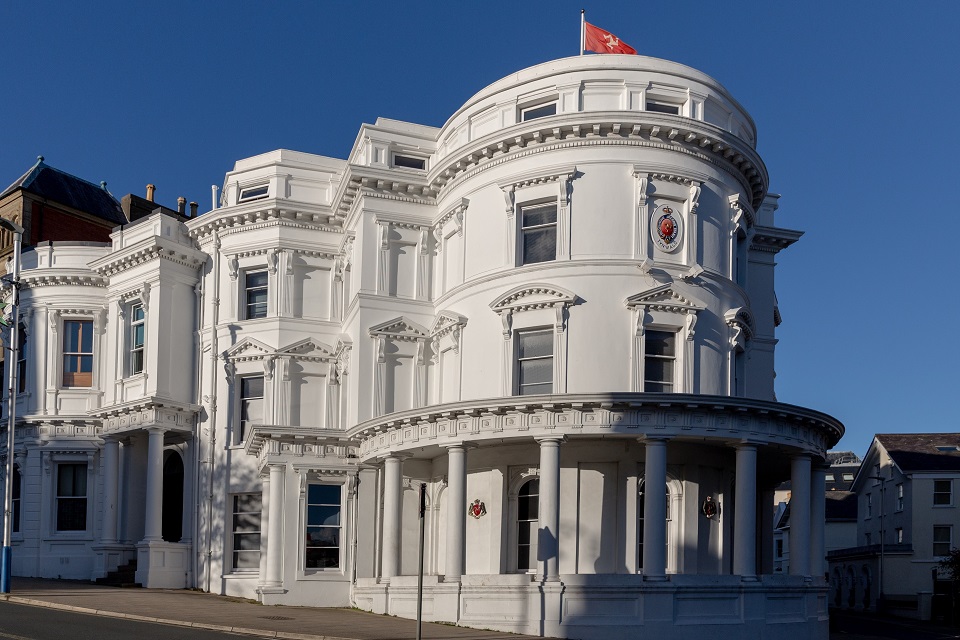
(559, 299)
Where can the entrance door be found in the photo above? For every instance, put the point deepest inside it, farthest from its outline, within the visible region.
(172, 523)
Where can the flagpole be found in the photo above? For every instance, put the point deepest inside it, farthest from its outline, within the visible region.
(582, 31)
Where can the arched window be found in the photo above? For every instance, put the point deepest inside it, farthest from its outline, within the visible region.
(528, 518)
(640, 524)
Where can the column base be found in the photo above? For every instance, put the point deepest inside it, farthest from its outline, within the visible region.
(163, 565)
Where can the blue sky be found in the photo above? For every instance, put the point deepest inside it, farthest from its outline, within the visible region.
(854, 103)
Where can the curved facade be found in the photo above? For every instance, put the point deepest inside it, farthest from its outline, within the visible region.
(556, 312)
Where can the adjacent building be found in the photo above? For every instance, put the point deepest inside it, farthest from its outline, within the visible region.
(556, 311)
(907, 521)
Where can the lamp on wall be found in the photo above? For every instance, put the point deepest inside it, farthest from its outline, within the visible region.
(7, 555)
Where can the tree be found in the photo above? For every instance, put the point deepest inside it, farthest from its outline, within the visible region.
(951, 564)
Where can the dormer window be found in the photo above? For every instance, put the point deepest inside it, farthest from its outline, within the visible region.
(538, 111)
(409, 162)
(253, 193)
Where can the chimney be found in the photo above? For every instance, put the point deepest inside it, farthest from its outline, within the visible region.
(213, 188)
(150, 189)
(181, 205)
(193, 209)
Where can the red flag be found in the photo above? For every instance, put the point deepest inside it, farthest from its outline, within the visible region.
(600, 41)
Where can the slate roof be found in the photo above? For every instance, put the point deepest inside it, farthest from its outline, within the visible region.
(919, 452)
(841, 505)
(50, 183)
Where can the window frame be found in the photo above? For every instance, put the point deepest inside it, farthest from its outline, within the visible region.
(243, 196)
(537, 106)
(133, 349)
(899, 494)
(941, 492)
(518, 361)
(668, 523)
(675, 333)
(663, 106)
(533, 524)
(85, 498)
(80, 354)
(247, 289)
(869, 506)
(523, 230)
(244, 426)
(17, 500)
(341, 529)
(235, 532)
(949, 542)
(408, 156)
(22, 359)
(898, 535)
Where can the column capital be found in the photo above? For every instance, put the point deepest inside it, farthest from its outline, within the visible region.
(652, 438)
(156, 429)
(560, 439)
(458, 445)
(395, 455)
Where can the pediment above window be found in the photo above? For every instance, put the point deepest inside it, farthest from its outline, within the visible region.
(446, 322)
(533, 296)
(665, 298)
(309, 349)
(248, 349)
(401, 329)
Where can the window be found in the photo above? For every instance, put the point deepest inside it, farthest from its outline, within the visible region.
(528, 525)
(253, 193)
(848, 477)
(71, 497)
(538, 111)
(22, 360)
(246, 530)
(942, 492)
(322, 539)
(255, 294)
(900, 497)
(660, 348)
(899, 535)
(942, 540)
(78, 353)
(251, 405)
(137, 326)
(409, 162)
(538, 233)
(534, 362)
(17, 484)
(948, 448)
(869, 538)
(779, 548)
(869, 505)
(663, 107)
(641, 505)
(829, 478)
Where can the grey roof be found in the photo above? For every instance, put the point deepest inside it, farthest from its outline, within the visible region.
(919, 451)
(60, 187)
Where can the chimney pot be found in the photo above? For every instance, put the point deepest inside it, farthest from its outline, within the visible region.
(181, 205)
(150, 189)
(193, 209)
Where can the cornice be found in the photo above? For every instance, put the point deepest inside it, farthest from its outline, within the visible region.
(256, 215)
(153, 248)
(263, 438)
(55, 277)
(691, 137)
(773, 239)
(721, 419)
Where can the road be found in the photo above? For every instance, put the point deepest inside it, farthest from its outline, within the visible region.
(21, 622)
(862, 627)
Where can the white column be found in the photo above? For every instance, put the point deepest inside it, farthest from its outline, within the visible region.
(153, 519)
(392, 503)
(111, 474)
(818, 517)
(800, 515)
(275, 527)
(745, 516)
(456, 510)
(549, 542)
(655, 510)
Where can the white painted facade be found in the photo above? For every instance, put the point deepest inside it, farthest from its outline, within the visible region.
(338, 332)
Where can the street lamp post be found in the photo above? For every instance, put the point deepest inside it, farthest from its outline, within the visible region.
(6, 559)
(880, 571)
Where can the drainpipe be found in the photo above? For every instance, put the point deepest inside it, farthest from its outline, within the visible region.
(353, 542)
(198, 387)
(214, 350)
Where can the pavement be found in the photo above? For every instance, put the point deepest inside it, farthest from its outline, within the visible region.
(235, 615)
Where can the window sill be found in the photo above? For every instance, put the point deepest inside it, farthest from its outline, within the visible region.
(321, 575)
(942, 506)
(241, 574)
